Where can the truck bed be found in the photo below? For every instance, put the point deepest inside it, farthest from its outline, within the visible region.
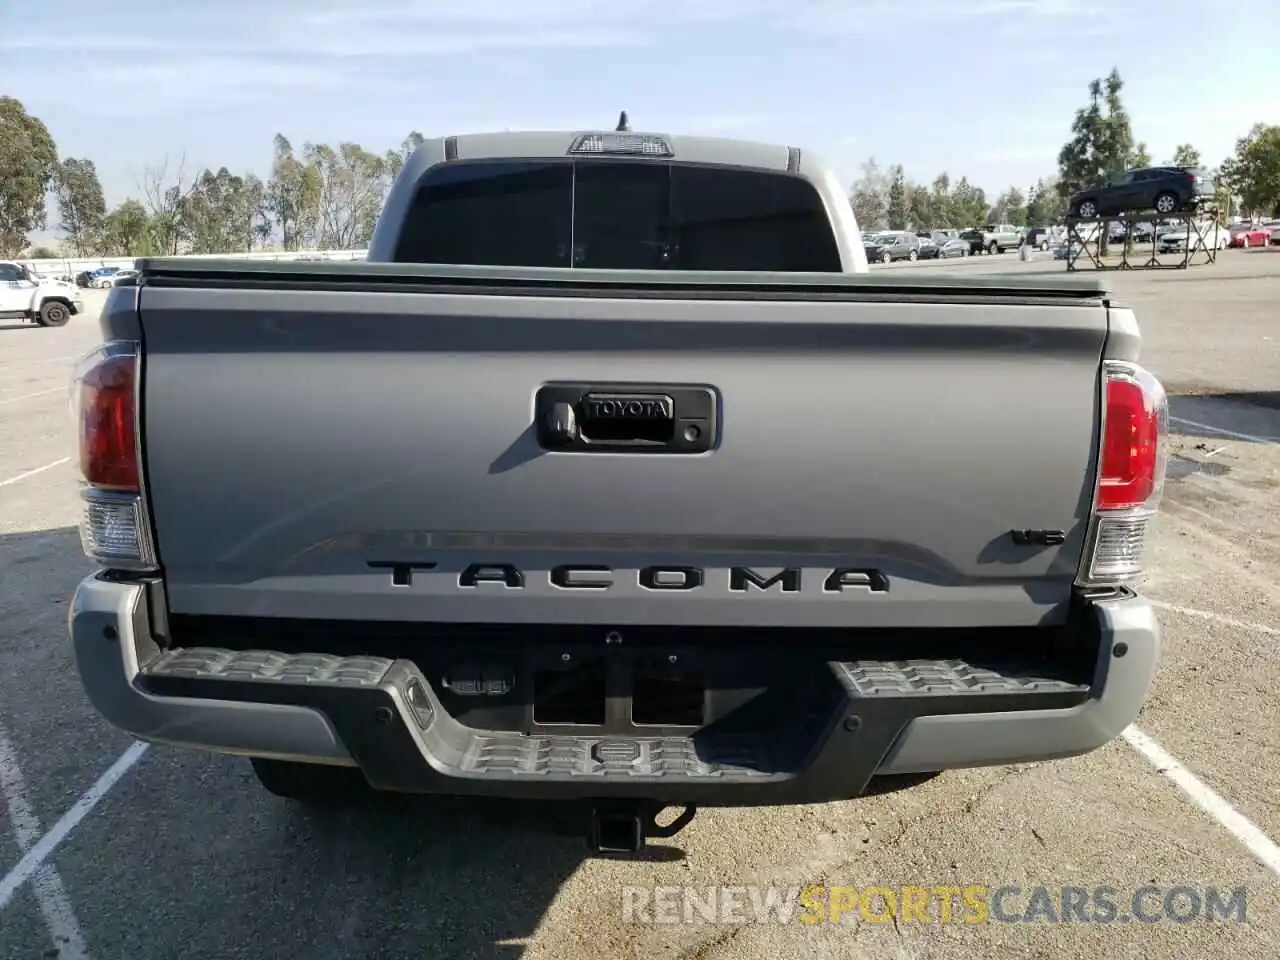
(357, 442)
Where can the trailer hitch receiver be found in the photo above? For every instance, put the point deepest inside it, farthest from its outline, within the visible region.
(626, 826)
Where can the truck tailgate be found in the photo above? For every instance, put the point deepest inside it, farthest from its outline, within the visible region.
(302, 445)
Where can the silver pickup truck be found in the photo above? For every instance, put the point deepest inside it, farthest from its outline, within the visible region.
(614, 477)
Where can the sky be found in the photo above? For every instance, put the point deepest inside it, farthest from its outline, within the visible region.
(981, 88)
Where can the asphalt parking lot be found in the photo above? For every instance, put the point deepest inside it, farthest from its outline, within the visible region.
(173, 855)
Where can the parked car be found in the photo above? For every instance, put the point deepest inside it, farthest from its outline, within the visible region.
(1000, 238)
(1166, 190)
(1037, 237)
(893, 246)
(101, 278)
(1074, 239)
(116, 278)
(974, 238)
(1248, 235)
(277, 577)
(1207, 235)
(929, 250)
(955, 247)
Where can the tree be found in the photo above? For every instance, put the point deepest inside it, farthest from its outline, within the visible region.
(896, 210)
(127, 232)
(968, 204)
(1119, 152)
(396, 158)
(940, 202)
(1010, 207)
(1253, 172)
(920, 207)
(352, 184)
(219, 214)
(870, 196)
(80, 204)
(1044, 205)
(1186, 156)
(292, 195)
(166, 187)
(28, 168)
(252, 215)
(1101, 143)
(42, 253)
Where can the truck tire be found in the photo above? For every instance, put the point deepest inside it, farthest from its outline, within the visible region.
(312, 784)
(54, 313)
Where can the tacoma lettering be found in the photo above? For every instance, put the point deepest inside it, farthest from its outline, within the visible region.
(504, 573)
(742, 578)
(590, 576)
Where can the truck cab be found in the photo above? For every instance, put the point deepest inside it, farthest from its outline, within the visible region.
(26, 296)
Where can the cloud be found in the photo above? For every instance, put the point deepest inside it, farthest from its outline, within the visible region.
(888, 16)
(408, 27)
(166, 87)
(244, 50)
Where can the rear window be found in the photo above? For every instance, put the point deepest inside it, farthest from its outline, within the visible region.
(614, 214)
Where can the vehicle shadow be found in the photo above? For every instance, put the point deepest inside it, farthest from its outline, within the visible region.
(1266, 399)
(187, 855)
(1240, 416)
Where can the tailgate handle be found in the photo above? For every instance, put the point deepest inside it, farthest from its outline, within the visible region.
(626, 418)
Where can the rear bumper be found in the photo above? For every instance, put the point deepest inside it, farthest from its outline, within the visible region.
(381, 715)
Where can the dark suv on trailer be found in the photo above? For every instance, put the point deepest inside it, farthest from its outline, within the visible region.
(1165, 190)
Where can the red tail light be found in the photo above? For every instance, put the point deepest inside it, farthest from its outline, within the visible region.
(108, 416)
(1132, 465)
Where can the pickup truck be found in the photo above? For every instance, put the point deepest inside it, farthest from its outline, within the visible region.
(614, 478)
(25, 296)
(1000, 238)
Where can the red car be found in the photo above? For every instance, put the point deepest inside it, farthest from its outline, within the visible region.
(1250, 235)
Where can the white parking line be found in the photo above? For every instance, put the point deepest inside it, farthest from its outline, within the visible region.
(1204, 797)
(32, 473)
(34, 858)
(28, 396)
(1247, 625)
(51, 896)
(1209, 428)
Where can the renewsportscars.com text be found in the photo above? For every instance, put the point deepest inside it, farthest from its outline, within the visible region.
(934, 904)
